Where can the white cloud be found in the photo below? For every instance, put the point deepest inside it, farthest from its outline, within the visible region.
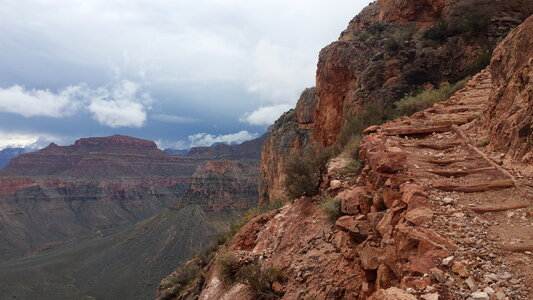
(266, 115)
(172, 118)
(25, 140)
(33, 103)
(205, 139)
(120, 106)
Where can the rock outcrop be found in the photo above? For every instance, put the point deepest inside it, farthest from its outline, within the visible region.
(218, 185)
(115, 156)
(290, 134)
(383, 56)
(412, 222)
(509, 117)
(379, 58)
(247, 150)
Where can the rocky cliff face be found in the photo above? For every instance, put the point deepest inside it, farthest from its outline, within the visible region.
(383, 55)
(509, 117)
(218, 185)
(115, 228)
(290, 134)
(57, 194)
(101, 157)
(247, 150)
(434, 214)
(377, 59)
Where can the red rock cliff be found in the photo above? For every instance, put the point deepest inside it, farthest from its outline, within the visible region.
(509, 117)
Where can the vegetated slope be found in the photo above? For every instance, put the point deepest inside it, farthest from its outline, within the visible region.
(127, 263)
(389, 50)
(441, 209)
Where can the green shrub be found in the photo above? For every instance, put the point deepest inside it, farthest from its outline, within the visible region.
(438, 32)
(304, 171)
(373, 113)
(483, 144)
(228, 267)
(377, 28)
(391, 45)
(471, 23)
(260, 280)
(426, 98)
(331, 207)
(179, 280)
(481, 62)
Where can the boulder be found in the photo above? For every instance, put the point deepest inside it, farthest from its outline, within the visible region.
(392, 293)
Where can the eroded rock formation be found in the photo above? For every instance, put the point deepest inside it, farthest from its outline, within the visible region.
(412, 224)
(509, 117)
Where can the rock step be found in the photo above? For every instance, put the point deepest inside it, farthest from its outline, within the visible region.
(474, 187)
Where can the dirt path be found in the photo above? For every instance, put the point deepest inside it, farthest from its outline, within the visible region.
(484, 208)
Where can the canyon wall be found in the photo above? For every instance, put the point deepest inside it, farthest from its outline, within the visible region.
(383, 56)
(62, 193)
(509, 117)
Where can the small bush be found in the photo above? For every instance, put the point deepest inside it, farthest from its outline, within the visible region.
(304, 171)
(391, 45)
(481, 62)
(470, 23)
(438, 32)
(331, 207)
(261, 280)
(179, 280)
(483, 144)
(228, 267)
(426, 98)
(377, 28)
(373, 113)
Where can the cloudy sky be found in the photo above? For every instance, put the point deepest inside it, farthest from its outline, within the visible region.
(180, 72)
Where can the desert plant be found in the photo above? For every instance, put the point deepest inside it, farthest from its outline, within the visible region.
(331, 207)
(481, 62)
(471, 23)
(228, 267)
(426, 98)
(391, 45)
(372, 113)
(483, 143)
(260, 280)
(304, 171)
(179, 280)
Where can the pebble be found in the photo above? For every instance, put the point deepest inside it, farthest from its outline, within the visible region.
(433, 296)
(447, 260)
(488, 290)
(447, 200)
(491, 277)
(471, 284)
(335, 184)
(480, 296)
(506, 276)
(460, 269)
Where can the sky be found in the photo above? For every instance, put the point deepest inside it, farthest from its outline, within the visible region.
(182, 73)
